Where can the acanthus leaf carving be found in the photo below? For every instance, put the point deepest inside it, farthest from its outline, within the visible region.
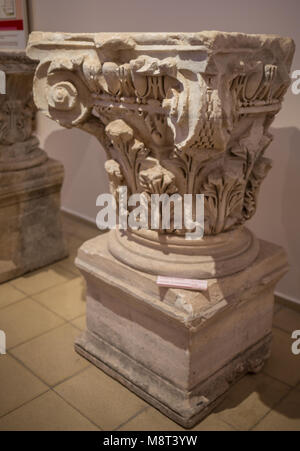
(223, 200)
(115, 176)
(186, 113)
(155, 179)
(258, 173)
(129, 151)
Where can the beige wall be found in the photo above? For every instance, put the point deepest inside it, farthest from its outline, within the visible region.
(278, 216)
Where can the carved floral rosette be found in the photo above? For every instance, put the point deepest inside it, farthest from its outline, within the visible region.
(175, 112)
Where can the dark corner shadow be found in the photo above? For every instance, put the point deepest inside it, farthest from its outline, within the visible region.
(266, 390)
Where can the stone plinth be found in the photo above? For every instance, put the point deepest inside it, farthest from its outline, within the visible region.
(177, 113)
(179, 350)
(30, 182)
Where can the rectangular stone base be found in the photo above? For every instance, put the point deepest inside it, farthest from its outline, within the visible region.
(150, 386)
(179, 350)
(31, 234)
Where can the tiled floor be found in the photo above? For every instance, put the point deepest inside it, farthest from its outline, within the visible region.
(45, 385)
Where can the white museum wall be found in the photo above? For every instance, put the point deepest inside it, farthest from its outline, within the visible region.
(278, 215)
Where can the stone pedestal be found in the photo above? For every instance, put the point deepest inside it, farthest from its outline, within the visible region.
(177, 113)
(177, 349)
(30, 183)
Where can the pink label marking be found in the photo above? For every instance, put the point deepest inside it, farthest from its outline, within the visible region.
(187, 284)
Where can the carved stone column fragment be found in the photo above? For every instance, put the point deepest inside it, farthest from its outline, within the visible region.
(30, 183)
(185, 113)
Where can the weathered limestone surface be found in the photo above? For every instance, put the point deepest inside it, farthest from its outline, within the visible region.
(180, 350)
(30, 183)
(185, 113)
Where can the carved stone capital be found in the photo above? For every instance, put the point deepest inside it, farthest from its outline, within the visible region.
(31, 234)
(19, 149)
(176, 112)
(199, 103)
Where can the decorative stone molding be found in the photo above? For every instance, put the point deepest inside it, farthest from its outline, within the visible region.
(30, 183)
(185, 113)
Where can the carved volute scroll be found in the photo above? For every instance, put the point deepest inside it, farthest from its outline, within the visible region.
(186, 112)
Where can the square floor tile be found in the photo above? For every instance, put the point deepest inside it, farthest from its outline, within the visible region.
(287, 319)
(52, 356)
(69, 263)
(67, 300)
(284, 417)
(283, 364)
(80, 322)
(213, 423)
(25, 320)
(100, 398)
(17, 384)
(9, 295)
(42, 279)
(150, 419)
(46, 413)
(250, 399)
